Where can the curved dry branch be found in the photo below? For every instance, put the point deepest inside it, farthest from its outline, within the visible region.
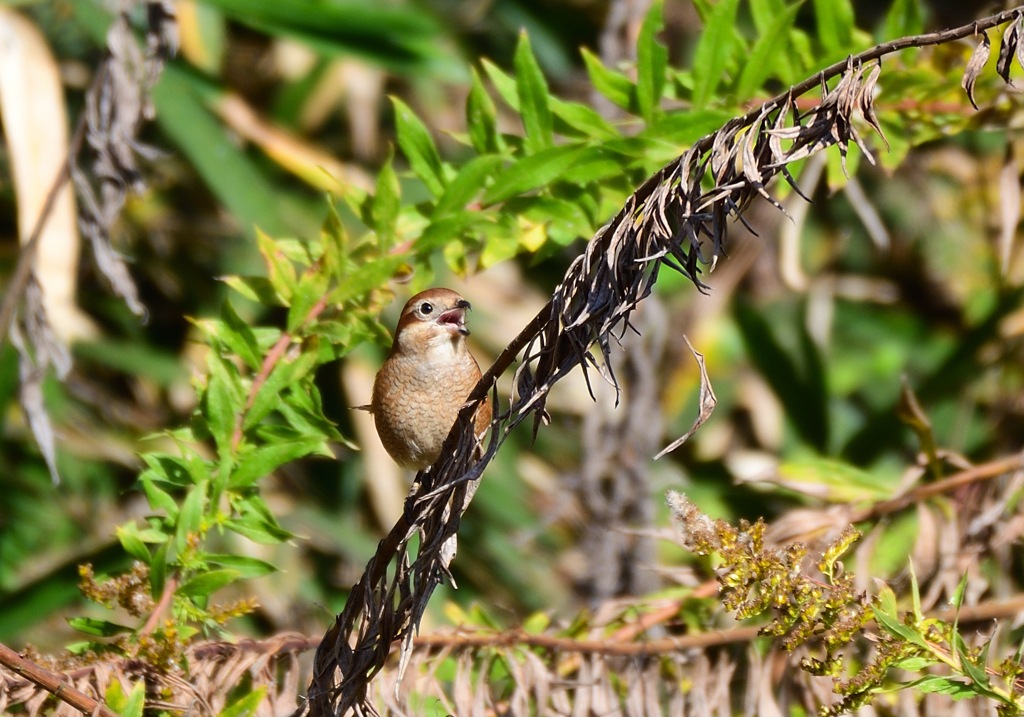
(666, 222)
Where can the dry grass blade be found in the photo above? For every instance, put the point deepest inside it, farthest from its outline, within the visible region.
(1008, 48)
(665, 222)
(707, 401)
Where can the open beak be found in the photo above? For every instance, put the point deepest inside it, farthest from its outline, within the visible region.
(455, 319)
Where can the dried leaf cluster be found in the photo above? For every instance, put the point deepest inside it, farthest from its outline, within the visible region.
(117, 104)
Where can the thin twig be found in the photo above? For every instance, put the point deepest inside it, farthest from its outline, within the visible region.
(55, 684)
(971, 475)
(170, 585)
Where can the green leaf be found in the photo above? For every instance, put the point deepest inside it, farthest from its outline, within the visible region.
(309, 292)
(246, 705)
(219, 406)
(101, 628)
(387, 202)
(532, 172)
(268, 396)
(280, 270)
(613, 85)
(574, 118)
(482, 118)
(190, 520)
(532, 89)
(206, 584)
(238, 335)
(957, 689)
(256, 288)
(467, 184)
(158, 498)
(764, 13)
(245, 567)
(263, 461)
(136, 700)
(685, 128)
(158, 569)
(503, 83)
(761, 61)
(418, 147)
(132, 544)
(712, 54)
(903, 19)
(835, 25)
(651, 60)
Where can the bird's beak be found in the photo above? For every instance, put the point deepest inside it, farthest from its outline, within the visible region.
(455, 318)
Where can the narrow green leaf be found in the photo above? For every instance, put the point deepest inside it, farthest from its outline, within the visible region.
(418, 147)
(219, 411)
(268, 397)
(246, 705)
(158, 498)
(132, 544)
(532, 89)
(136, 700)
(651, 60)
(503, 82)
(762, 59)
(387, 202)
(613, 85)
(574, 118)
(835, 25)
(205, 584)
(280, 270)
(713, 50)
(532, 172)
(190, 519)
(245, 566)
(764, 13)
(957, 689)
(308, 293)
(101, 628)
(903, 19)
(239, 337)
(467, 184)
(685, 128)
(263, 461)
(158, 569)
(482, 118)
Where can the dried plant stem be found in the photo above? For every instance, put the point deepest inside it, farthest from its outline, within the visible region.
(26, 257)
(53, 683)
(971, 475)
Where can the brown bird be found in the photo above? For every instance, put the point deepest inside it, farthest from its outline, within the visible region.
(426, 379)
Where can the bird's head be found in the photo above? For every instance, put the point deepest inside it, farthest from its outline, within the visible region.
(432, 318)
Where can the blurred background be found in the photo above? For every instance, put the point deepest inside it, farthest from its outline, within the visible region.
(904, 273)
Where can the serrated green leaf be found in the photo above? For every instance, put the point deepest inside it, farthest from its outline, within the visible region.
(532, 172)
(482, 118)
(762, 58)
(246, 705)
(268, 396)
(418, 147)
(713, 49)
(263, 461)
(613, 85)
(651, 60)
(467, 184)
(238, 335)
(532, 89)
(102, 628)
(310, 291)
(206, 584)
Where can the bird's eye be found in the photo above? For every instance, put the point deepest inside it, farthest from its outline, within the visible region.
(426, 308)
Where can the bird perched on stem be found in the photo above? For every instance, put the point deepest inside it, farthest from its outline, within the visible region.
(426, 379)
